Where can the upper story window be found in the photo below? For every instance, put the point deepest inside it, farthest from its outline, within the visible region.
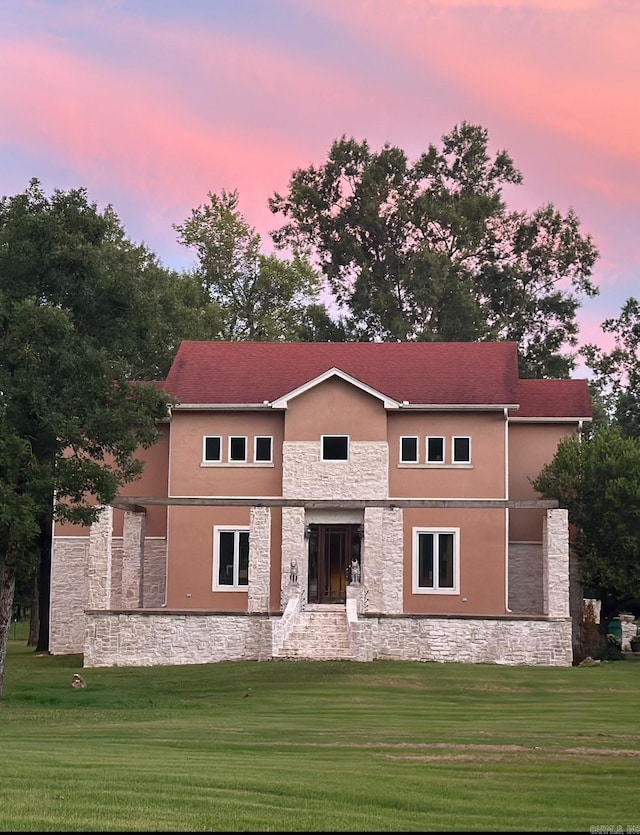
(230, 558)
(237, 448)
(435, 449)
(461, 449)
(212, 448)
(409, 449)
(334, 447)
(436, 560)
(263, 449)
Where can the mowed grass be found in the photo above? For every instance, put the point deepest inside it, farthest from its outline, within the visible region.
(303, 746)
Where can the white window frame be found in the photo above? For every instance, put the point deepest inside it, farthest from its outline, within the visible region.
(335, 460)
(410, 460)
(426, 448)
(417, 589)
(206, 460)
(455, 460)
(237, 460)
(236, 530)
(255, 449)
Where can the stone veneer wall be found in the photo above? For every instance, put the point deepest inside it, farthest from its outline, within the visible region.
(525, 578)
(70, 586)
(482, 641)
(154, 581)
(295, 549)
(382, 560)
(156, 638)
(144, 639)
(364, 476)
(555, 563)
(259, 559)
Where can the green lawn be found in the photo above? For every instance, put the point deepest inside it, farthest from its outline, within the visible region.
(304, 746)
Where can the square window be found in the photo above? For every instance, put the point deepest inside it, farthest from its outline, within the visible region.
(409, 449)
(212, 448)
(435, 449)
(436, 561)
(230, 557)
(263, 447)
(335, 447)
(461, 451)
(237, 448)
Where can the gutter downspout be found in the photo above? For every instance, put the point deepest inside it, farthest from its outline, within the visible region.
(506, 512)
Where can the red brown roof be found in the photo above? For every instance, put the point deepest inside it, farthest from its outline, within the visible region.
(429, 373)
(554, 398)
(422, 373)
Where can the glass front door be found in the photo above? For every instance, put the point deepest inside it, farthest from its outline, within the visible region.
(331, 549)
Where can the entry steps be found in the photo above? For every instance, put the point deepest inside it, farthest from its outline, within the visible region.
(321, 633)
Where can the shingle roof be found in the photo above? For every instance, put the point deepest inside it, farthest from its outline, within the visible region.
(438, 373)
(554, 398)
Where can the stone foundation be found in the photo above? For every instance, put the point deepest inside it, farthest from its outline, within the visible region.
(116, 639)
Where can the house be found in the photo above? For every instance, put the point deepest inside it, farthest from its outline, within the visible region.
(333, 500)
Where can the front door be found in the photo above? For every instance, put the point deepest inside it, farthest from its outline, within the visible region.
(331, 549)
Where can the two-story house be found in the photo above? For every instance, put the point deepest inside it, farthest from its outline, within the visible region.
(332, 500)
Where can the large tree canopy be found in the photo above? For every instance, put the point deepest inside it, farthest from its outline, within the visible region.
(597, 478)
(429, 251)
(616, 373)
(248, 294)
(79, 311)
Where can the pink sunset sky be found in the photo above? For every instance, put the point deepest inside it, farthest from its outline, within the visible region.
(151, 104)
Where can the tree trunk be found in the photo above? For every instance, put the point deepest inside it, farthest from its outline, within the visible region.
(7, 589)
(44, 579)
(34, 614)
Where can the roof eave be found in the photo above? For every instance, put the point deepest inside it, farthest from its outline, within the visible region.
(468, 407)
(212, 407)
(548, 419)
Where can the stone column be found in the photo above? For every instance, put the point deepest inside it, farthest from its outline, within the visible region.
(295, 556)
(555, 563)
(99, 568)
(133, 534)
(382, 559)
(259, 559)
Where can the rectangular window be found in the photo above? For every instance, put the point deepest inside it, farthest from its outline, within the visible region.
(237, 448)
(212, 448)
(461, 449)
(335, 447)
(230, 558)
(435, 449)
(436, 561)
(409, 449)
(263, 449)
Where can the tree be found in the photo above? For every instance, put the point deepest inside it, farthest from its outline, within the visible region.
(596, 477)
(255, 296)
(617, 373)
(430, 252)
(77, 308)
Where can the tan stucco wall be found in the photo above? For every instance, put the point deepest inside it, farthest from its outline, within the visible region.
(152, 482)
(482, 562)
(531, 445)
(190, 558)
(190, 478)
(485, 478)
(335, 407)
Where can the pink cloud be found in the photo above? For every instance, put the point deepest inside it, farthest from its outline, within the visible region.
(166, 138)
